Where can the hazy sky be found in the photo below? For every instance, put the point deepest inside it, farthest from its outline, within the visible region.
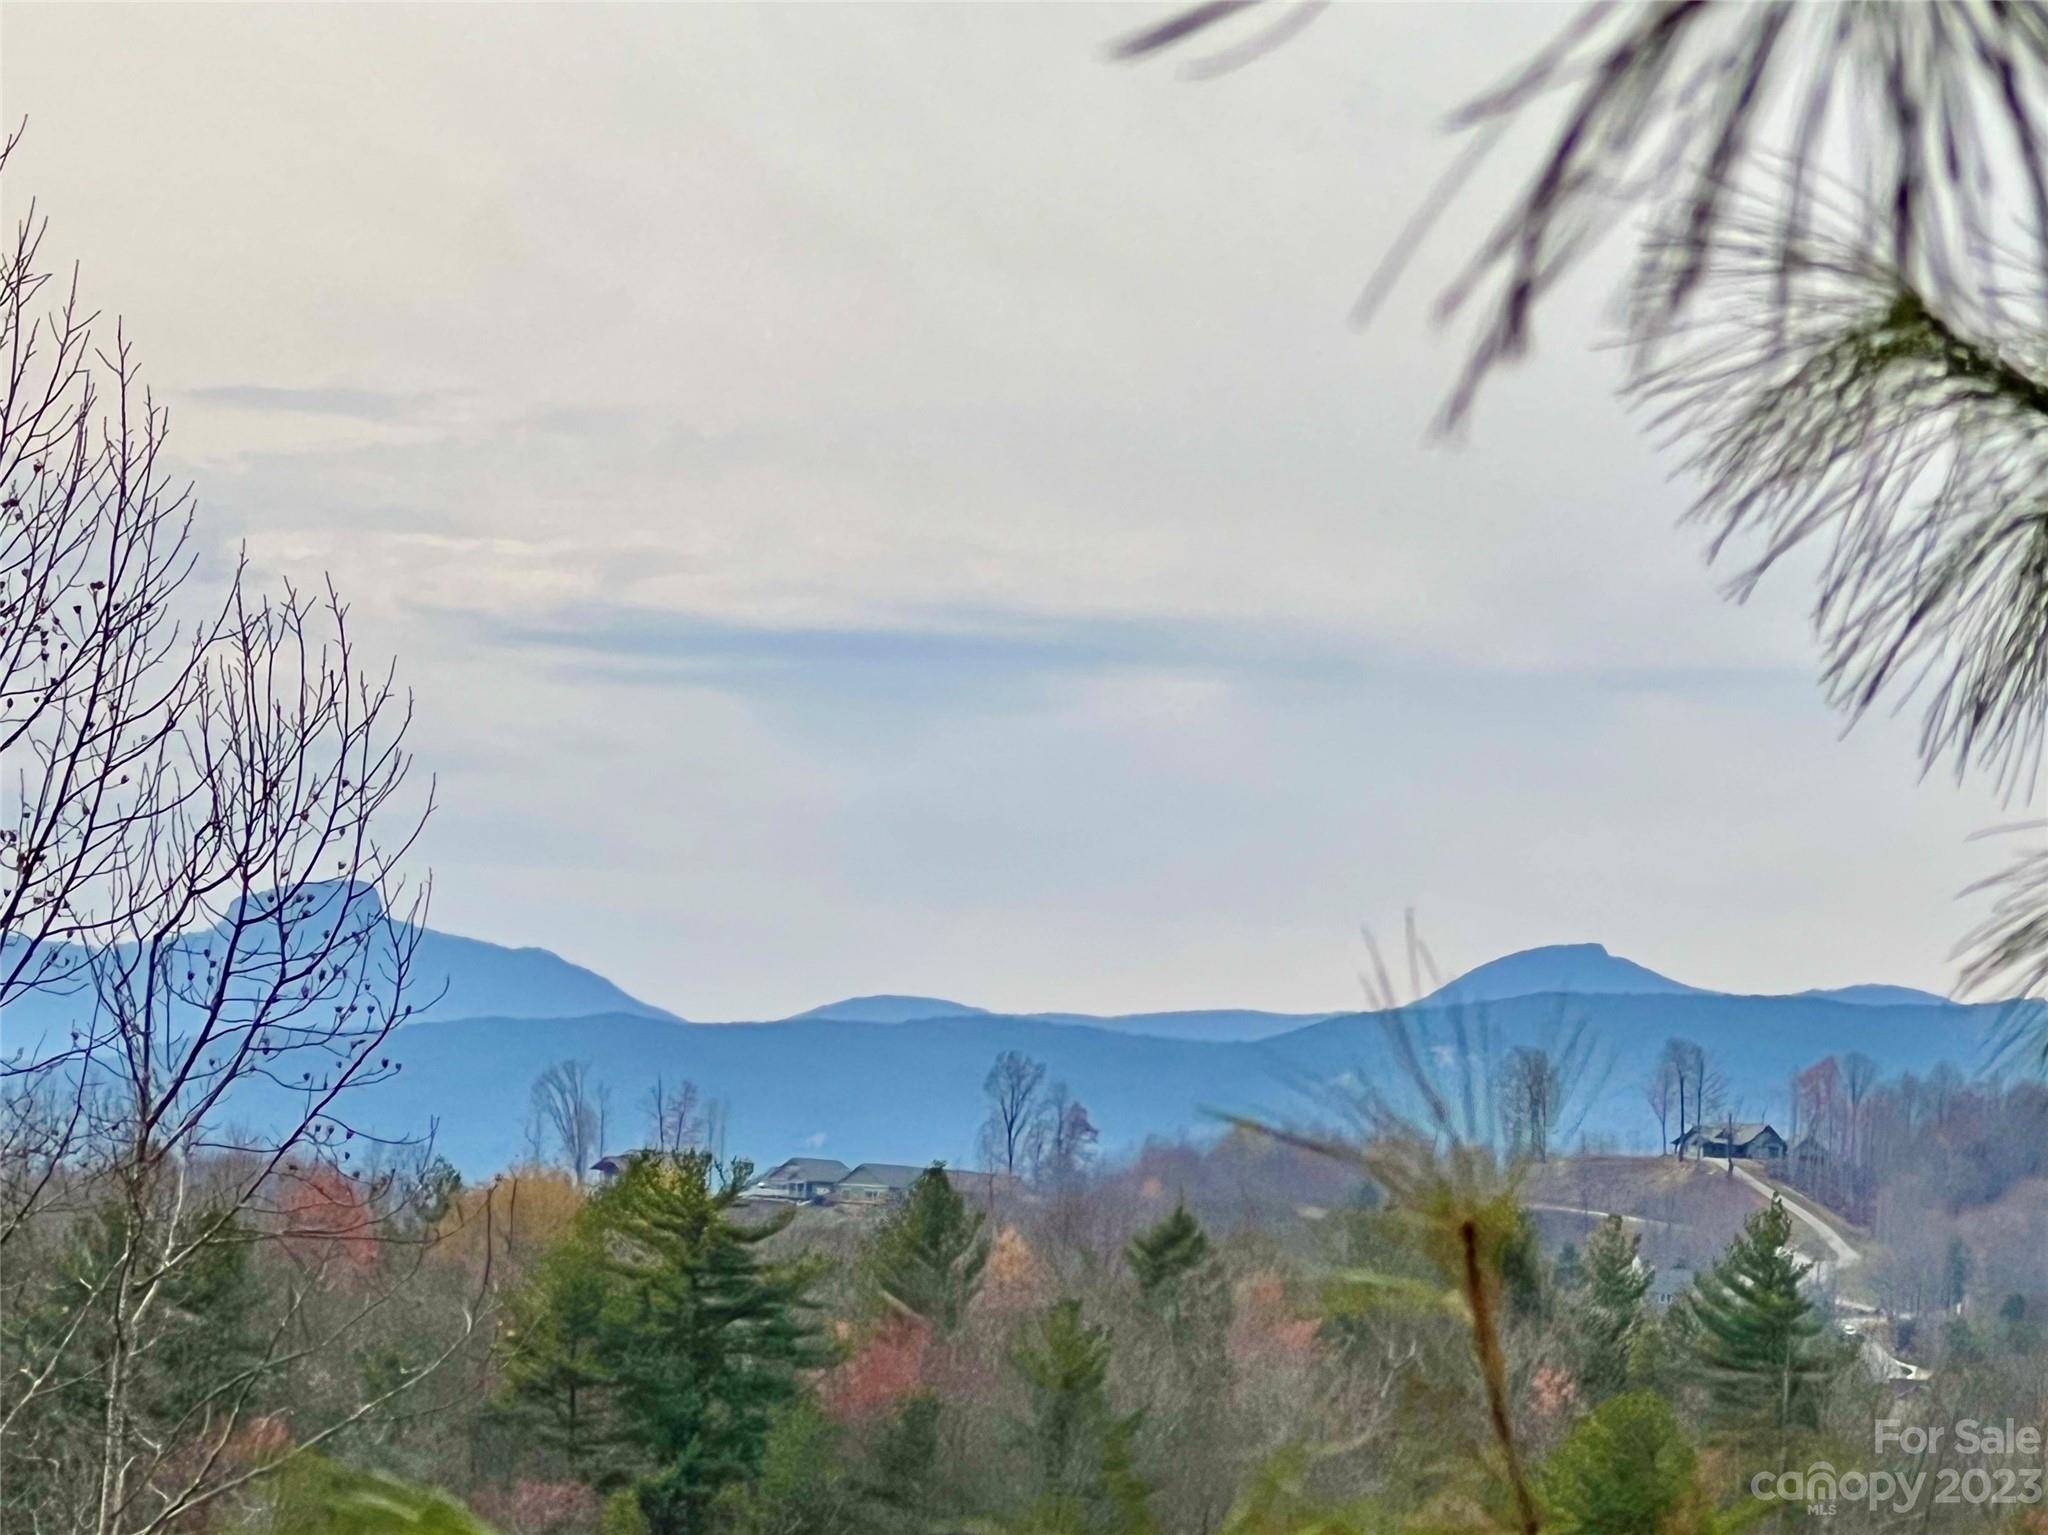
(878, 498)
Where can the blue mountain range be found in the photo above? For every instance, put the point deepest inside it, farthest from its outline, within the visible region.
(898, 1078)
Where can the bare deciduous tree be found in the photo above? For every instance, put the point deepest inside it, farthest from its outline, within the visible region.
(208, 942)
(1061, 1138)
(568, 1107)
(675, 1121)
(1658, 1093)
(1012, 1088)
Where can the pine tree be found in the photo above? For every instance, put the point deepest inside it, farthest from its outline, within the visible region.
(1609, 1306)
(929, 1255)
(1165, 1252)
(1180, 1280)
(557, 1369)
(1088, 1485)
(1624, 1469)
(1568, 1274)
(690, 1340)
(1186, 1305)
(906, 1456)
(1759, 1343)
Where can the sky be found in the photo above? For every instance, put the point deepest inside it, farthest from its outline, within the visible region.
(875, 498)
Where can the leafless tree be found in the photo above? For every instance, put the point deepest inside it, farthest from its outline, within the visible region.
(1532, 1092)
(567, 1104)
(1658, 1094)
(675, 1118)
(1061, 1138)
(1012, 1089)
(208, 941)
(1859, 1076)
(1687, 1063)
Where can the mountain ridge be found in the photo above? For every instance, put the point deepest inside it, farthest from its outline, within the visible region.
(841, 1088)
(1549, 970)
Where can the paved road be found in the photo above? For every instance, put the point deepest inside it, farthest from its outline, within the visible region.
(1627, 1220)
(1845, 1256)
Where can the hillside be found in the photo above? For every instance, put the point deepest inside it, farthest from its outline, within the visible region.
(1685, 1212)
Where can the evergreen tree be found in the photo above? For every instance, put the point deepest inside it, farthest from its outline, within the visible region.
(691, 1341)
(1186, 1307)
(558, 1369)
(929, 1254)
(1180, 1280)
(1568, 1274)
(1167, 1251)
(906, 1456)
(1761, 1346)
(1087, 1483)
(1625, 1469)
(1958, 1273)
(2022, 1335)
(803, 1487)
(1609, 1306)
(1523, 1276)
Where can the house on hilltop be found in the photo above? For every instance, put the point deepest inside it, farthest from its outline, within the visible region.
(870, 1186)
(1751, 1142)
(799, 1180)
(876, 1183)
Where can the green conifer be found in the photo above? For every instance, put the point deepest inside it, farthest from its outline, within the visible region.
(1625, 1469)
(1167, 1251)
(1609, 1306)
(690, 1340)
(1087, 1483)
(929, 1254)
(1760, 1344)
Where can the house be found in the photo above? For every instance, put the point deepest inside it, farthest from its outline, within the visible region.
(1751, 1142)
(610, 1167)
(876, 1183)
(799, 1180)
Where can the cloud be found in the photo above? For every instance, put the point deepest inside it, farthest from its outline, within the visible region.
(957, 648)
(373, 405)
(884, 500)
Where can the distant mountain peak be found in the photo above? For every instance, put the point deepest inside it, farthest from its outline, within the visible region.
(888, 1009)
(1575, 969)
(1878, 995)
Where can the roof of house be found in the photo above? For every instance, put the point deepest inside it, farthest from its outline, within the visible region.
(805, 1170)
(618, 1160)
(887, 1175)
(1741, 1134)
